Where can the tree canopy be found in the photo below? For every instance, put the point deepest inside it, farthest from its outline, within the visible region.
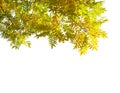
(76, 21)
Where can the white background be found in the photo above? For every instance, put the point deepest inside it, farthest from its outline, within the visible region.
(61, 70)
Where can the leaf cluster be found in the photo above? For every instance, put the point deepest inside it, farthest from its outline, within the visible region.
(76, 21)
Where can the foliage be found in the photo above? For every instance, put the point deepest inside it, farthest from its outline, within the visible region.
(76, 21)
